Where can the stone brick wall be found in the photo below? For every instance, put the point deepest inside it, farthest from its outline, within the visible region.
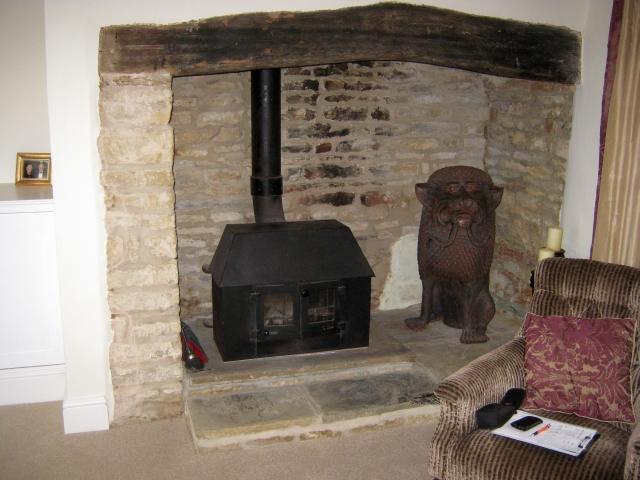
(212, 167)
(136, 150)
(356, 139)
(528, 147)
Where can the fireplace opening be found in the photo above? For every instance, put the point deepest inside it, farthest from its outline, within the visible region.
(355, 139)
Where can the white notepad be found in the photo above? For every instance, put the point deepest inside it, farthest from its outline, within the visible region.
(559, 436)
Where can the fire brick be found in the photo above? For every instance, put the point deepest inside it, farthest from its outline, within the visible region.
(346, 114)
(331, 170)
(306, 84)
(371, 199)
(337, 199)
(380, 114)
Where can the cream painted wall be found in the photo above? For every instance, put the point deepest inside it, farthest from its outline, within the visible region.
(582, 170)
(72, 28)
(24, 119)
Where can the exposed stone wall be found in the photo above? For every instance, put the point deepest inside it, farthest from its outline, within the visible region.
(528, 147)
(212, 168)
(136, 150)
(356, 139)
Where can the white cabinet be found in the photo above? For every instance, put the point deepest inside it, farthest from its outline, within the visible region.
(31, 343)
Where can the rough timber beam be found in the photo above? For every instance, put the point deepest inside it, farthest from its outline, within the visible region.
(384, 31)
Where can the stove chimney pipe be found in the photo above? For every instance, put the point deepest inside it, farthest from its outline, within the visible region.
(266, 174)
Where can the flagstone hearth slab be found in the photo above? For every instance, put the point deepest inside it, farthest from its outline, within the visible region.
(438, 348)
(304, 412)
(384, 354)
(369, 396)
(244, 413)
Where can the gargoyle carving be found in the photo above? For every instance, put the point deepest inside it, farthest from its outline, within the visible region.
(455, 249)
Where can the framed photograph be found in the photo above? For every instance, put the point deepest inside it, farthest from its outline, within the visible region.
(33, 169)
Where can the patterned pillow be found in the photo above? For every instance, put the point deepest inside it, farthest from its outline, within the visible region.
(580, 365)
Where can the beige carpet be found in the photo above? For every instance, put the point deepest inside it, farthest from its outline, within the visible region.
(33, 446)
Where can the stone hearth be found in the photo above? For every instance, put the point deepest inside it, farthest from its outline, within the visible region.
(254, 403)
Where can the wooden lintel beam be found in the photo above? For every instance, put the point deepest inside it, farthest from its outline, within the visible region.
(384, 31)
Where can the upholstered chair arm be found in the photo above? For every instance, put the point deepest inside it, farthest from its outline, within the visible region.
(484, 380)
(632, 463)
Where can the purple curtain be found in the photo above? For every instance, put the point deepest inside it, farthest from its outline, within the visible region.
(609, 76)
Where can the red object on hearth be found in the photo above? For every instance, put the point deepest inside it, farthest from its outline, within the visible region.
(194, 348)
(192, 343)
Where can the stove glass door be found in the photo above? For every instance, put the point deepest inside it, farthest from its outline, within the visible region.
(319, 308)
(278, 309)
(278, 314)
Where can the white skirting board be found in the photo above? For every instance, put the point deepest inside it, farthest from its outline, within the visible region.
(32, 384)
(85, 415)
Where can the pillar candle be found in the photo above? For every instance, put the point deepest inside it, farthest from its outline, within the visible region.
(545, 252)
(554, 239)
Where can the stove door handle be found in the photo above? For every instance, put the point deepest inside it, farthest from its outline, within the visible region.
(255, 334)
(342, 293)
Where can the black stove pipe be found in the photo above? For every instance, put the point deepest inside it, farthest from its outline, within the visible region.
(266, 165)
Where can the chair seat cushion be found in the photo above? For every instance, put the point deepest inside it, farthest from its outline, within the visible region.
(482, 455)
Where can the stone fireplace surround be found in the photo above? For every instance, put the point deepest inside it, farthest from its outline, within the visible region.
(518, 130)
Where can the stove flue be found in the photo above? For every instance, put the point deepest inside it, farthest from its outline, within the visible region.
(266, 167)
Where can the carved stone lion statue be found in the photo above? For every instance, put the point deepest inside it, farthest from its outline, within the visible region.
(455, 249)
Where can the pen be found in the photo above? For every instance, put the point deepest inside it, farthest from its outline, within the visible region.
(546, 427)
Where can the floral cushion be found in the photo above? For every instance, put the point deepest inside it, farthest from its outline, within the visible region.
(580, 365)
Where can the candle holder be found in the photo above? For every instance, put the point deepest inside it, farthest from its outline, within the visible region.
(560, 254)
(531, 281)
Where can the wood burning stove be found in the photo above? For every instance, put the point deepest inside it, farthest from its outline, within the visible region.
(289, 287)
(279, 287)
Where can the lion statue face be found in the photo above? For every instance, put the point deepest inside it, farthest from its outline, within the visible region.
(459, 197)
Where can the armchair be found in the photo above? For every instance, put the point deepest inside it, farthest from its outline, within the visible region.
(459, 450)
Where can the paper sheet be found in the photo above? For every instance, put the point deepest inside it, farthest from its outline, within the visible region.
(560, 436)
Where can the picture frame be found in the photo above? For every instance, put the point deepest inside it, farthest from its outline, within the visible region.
(33, 169)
